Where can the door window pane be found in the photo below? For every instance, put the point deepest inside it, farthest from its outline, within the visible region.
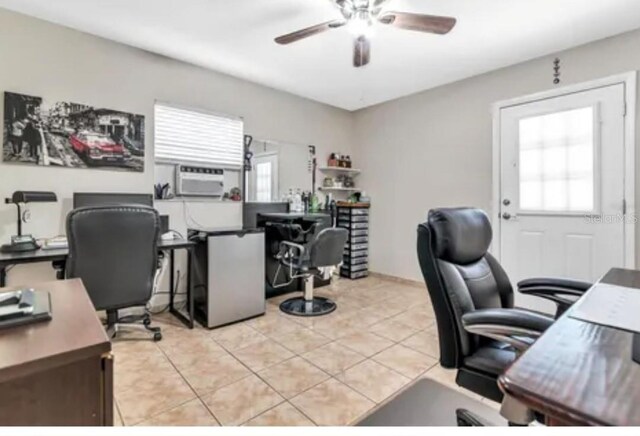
(263, 182)
(556, 167)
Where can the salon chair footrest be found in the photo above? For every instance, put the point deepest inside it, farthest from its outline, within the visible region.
(300, 307)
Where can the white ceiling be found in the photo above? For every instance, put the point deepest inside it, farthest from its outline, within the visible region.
(236, 37)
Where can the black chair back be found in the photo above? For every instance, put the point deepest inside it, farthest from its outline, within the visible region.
(113, 249)
(461, 275)
(327, 248)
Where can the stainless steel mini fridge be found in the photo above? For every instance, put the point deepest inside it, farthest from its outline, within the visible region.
(229, 275)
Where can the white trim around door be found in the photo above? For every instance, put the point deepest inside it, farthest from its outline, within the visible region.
(629, 80)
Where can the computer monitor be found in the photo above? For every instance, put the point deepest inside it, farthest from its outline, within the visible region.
(83, 199)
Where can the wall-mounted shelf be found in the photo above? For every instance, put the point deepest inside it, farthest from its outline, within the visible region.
(323, 188)
(353, 171)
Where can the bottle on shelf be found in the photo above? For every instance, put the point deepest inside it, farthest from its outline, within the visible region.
(289, 199)
(344, 161)
(297, 201)
(314, 205)
(333, 160)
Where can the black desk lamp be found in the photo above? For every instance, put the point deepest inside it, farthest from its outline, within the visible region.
(20, 242)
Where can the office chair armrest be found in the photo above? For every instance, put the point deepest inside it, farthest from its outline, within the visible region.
(555, 289)
(569, 285)
(516, 327)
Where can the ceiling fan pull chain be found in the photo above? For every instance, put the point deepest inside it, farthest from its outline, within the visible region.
(556, 71)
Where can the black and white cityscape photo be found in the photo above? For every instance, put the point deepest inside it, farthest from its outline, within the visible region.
(65, 134)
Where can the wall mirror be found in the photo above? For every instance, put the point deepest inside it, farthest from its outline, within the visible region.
(276, 168)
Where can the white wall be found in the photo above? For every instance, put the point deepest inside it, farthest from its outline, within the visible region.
(426, 150)
(57, 63)
(433, 149)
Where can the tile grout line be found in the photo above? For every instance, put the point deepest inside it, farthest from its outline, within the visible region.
(251, 372)
(197, 396)
(376, 402)
(301, 327)
(288, 400)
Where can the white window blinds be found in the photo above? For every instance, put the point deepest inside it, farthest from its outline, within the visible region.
(196, 137)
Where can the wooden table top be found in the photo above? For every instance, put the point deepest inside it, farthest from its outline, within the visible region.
(74, 332)
(580, 373)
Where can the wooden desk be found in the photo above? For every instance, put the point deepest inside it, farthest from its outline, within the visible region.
(579, 373)
(57, 372)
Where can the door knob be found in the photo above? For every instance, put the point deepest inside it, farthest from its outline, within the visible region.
(506, 202)
(506, 216)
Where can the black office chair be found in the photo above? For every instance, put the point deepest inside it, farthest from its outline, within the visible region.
(480, 332)
(324, 250)
(113, 249)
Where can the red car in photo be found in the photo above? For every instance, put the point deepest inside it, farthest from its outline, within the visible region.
(98, 148)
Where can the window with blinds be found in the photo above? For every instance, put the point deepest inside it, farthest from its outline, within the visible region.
(197, 137)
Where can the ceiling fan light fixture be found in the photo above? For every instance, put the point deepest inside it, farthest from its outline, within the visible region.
(361, 24)
(361, 17)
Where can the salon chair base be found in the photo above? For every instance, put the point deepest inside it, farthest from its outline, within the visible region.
(300, 307)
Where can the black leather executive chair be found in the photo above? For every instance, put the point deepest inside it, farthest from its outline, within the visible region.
(324, 250)
(480, 331)
(113, 249)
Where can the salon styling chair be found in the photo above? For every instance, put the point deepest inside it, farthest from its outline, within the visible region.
(114, 250)
(480, 331)
(324, 250)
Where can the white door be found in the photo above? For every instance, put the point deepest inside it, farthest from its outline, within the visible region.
(263, 181)
(562, 187)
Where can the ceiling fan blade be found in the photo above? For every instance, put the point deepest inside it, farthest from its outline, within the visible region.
(345, 4)
(346, 8)
(419, 22)
(309, 31)
(361, 52)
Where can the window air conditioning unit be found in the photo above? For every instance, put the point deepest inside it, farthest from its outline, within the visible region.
(199, 181)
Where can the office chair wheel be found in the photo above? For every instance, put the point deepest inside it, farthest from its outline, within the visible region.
(157, 337)
(300, 307)
(146, 321)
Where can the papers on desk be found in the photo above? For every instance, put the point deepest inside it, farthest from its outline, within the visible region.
(55, 243)
(611, 306)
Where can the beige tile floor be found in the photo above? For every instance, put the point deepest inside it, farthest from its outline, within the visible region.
(284, 370)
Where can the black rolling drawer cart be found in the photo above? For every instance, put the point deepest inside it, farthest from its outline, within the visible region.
(355, 218)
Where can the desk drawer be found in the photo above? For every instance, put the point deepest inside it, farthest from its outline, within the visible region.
(354, 275)
(355, 253)
(354, 219)
(360, 232)
(356, 247)
(354, 268)
(354, 226)
(356, 260)
(358, 239)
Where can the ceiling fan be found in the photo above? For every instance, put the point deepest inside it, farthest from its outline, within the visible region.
(360, 15)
